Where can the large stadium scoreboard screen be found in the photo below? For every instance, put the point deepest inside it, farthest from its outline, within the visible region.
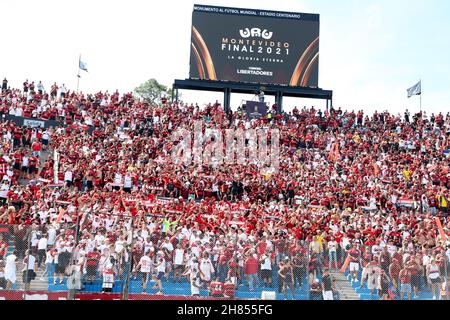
(255, 46)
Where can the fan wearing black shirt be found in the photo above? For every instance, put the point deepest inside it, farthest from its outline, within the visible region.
(5, 85)
(327, 286)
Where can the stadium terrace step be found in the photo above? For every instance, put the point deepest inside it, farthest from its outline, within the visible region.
(365, 294)
(346, 291)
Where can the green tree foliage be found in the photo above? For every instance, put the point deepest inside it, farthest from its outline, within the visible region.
(152, 91)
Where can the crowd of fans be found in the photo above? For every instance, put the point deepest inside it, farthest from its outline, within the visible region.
(349, 184)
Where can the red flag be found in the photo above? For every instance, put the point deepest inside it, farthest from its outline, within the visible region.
(345, 265)
(60, 215)
(441, 230)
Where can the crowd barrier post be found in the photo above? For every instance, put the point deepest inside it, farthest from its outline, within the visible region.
(126, 286)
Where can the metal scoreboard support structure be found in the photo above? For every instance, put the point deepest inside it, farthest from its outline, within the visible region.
(229, 87)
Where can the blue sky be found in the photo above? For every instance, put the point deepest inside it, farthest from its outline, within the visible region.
(371, 51)
(379, 48)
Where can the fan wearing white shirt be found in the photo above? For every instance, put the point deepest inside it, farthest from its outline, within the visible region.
(148, 245)
(392, 249)
(146, 265)
(376, 250)
(68, 175)
(28, 268)
(144, 233)
(242, 235)
(196, 284)
(332, 253)
(195, 249)
(206, 269)
(117, 181)
(42, 249)
(266, 270)
(19, 112)
(186, 233)
(25, 164)
(51, 236)
(178, 263)
(63, 91)
(160, 270)
(128, 183)
(49, 265)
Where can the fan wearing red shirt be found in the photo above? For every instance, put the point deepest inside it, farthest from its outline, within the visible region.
(17, 137)
(405, 283)
(262, 246)
(354, 255)
(32, 165)
(3, 167)
(365, 261)
(3, 248)
(222, 266)
(251, 270)
(17, 160)
(36, 147)
(92, 260)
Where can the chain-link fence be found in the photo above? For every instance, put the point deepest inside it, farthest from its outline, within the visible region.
(102, 255)
(32, 266)
(388, 272)
(173, 269)
(155, 256)
(152, 257)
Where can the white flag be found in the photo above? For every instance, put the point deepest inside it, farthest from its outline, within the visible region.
(83, 66)
(415, 90)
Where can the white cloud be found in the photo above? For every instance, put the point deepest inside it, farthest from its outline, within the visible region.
(374, 15)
